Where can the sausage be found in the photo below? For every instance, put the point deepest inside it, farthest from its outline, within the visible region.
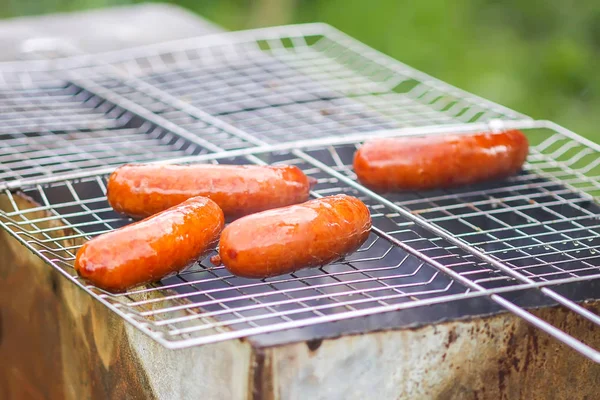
(151, 249)
(434, 162)
(287, 239)
(140, 190)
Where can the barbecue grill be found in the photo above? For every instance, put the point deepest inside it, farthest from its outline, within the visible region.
(306, 95)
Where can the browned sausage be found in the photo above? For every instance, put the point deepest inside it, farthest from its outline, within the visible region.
(151, 249)
(145, 189)
(421, 163)
(287, 239)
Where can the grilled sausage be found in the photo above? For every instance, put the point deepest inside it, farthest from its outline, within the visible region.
(151, 249)
(144, 189)
(421, 163)
(287, 239)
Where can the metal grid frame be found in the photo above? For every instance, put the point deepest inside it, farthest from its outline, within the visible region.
(457, 265)
(62, 128)
(283, 86)
(169, 320)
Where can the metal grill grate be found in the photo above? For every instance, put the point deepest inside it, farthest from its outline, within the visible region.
(305, 87)
(379, 274)
(234, 98)
(543, 223)
(52, 130)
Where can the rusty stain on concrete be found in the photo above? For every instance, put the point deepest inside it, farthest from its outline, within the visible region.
(313, 345)
(497, 357)
(451, 337)
(261, 376)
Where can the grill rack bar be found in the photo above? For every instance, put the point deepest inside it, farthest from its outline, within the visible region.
(420, 221)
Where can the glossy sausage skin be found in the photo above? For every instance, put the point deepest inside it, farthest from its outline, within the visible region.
(151, 249)
(140, 190)
(287, 239)
(434, 162)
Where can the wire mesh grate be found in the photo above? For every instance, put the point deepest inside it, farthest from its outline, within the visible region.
(301, 91)
(304, 86)
(291, 85)
(48, 131)
(543, 223)
(207, 300)
(207, 303)
(214, 97)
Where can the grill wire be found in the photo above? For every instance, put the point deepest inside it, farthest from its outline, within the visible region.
(303, 95)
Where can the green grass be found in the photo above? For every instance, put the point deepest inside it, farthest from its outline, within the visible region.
(538, 57)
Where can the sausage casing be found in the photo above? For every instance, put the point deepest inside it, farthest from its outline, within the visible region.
(140, 190)
(151, 249)
(434, 162)
(287, 239)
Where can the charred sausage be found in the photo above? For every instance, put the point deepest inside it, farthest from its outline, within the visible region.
(287, 239)
(421, 163)
(151, 249)
(145, 189)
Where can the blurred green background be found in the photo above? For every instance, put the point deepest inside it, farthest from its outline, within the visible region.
(538, 57)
